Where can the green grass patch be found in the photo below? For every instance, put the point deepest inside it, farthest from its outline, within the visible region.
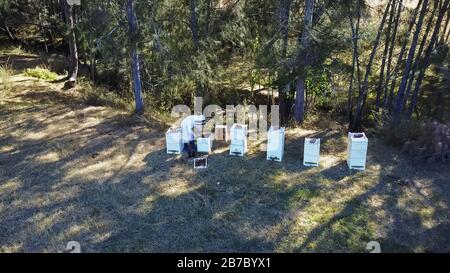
(300, 195)
(41, 73)
(354, 231)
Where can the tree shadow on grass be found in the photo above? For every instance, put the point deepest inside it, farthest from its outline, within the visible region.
(228, 207)
(33, 176)
(198, 210)
(112, 187)
(239, 204)
(419, 205)
(393, 212)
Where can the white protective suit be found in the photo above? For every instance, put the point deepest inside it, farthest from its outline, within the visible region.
(188, 124)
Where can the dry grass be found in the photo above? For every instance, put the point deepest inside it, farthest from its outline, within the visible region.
(14, 50)
(70, 171)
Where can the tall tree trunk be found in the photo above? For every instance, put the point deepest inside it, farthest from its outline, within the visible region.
(42, 29)
(194, 24)
(391, 51)
(380, 88)
(299, 107)
(401, 90)
(402, 52)
(135, 69)
(285, 8)
(73, 50)
(362, 97)
(350, 87)
(427, 58)
(356, 48)
(208, 17)
(283, 21)
(207, 27)
(447, 37)
(420, 51)
(355, 62)
(195, 40)
(93, 68)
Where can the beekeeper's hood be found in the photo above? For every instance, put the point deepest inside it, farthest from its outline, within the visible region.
(199, 120)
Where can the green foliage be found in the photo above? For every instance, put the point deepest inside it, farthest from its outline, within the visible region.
(31, 22)
(41, 73)
(318, 86)
(435, 101)
(101, 96)
(241, 49)
(393, 132)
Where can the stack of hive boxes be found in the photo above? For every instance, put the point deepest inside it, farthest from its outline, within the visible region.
(357, 151)
(275, 143)
(311, 152)
(204, 144)
(238, 144)
(174, 143)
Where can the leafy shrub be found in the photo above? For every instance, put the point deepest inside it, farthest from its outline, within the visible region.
(319, 89)
(433, 143)
(101, 96)
(41, 73)
(395, 132)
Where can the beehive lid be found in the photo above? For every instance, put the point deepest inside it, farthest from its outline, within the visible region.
(358, 137)
(239, 126)
(312, 140)
(276, 128)
(173, 130)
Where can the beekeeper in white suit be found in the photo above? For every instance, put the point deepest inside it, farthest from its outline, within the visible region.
(188, 127)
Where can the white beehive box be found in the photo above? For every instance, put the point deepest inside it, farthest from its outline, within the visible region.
(174, 142)
(275, 143)
(238, 147)
(238, 133)
(357, 151)
(204, 144)
(311, 152)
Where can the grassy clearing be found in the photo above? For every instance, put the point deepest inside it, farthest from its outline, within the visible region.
(76, 171)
